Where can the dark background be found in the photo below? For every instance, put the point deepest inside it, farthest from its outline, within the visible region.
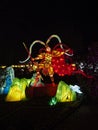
(75, 22)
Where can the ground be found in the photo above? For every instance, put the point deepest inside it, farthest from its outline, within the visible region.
(36, 114)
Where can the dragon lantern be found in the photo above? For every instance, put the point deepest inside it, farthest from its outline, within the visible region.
(52, 60)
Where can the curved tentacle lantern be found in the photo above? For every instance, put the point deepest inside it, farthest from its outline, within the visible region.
(52, 60)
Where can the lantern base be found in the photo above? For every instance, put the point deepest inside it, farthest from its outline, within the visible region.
(46, 90)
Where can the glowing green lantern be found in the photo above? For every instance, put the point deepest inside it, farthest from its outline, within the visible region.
(65, 93)
(17, 90)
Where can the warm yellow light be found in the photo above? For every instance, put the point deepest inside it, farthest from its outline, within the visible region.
(73, 64)
(2, 67)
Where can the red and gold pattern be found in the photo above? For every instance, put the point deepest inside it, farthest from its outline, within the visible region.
(50, 61)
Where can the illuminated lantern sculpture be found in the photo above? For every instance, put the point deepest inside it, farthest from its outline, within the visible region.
(52, 60)
(17, 90)
(65, 93)
(6, 80)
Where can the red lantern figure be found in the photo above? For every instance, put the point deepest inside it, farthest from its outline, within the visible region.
(50, 61)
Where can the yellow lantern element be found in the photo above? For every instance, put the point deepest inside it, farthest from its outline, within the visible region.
(17, 90)
(65, 93)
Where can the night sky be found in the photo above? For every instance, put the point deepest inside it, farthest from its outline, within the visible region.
(75, 23)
